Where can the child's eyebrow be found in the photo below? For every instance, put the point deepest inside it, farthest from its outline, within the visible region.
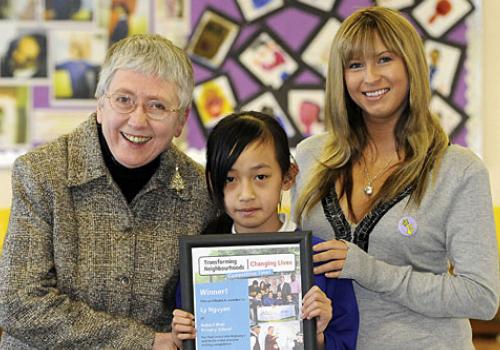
(255, 167)
(260, 166)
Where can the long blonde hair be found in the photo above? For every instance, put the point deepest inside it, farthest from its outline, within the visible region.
(418, 134)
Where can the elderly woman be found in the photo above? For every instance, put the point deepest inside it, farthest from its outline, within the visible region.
(91, 259)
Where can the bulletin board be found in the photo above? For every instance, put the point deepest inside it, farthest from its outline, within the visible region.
(278, 61)
(267, 55)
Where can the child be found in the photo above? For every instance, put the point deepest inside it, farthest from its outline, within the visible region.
(248, 167)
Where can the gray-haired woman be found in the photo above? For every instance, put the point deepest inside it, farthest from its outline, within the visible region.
(91, 259)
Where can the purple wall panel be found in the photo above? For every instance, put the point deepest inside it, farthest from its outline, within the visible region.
(293, 24)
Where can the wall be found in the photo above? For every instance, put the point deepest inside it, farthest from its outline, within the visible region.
(489, 100)
(5, 188)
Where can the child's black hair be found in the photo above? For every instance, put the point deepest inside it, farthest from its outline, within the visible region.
(230, 137)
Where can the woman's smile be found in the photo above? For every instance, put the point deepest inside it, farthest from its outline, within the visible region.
(136, 139)
(376, 93)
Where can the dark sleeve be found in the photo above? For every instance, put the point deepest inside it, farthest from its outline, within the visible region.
(342, 331)
(178, 296)
(221, 224)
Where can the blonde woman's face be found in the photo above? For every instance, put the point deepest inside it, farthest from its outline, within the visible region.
(378, 84)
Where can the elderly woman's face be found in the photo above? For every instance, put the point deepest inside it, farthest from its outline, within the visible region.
(134, 138)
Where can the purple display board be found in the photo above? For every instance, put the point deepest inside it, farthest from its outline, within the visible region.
(268, 55)
(288, 34)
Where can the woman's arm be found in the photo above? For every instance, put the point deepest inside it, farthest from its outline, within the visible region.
(472, 290)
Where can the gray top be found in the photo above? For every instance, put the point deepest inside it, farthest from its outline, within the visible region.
(81, 268)
(407, 299)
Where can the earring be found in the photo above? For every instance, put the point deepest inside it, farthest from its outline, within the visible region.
(177, 182)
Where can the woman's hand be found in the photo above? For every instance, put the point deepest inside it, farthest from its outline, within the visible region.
(333, 253)
(316, 304)
(182, 327)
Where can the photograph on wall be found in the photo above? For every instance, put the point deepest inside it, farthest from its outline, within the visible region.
(69, 10)
(47, 124)
(172, 20)
(244, 289)
(443, 60)
(122, 18)
(76, 56)
(23, 52)
(395, 4)
(34, 62)
(438, 17)
(317, 52)
(19, 10)
(254, 9)
(267, 103)
(212, 38)
(306, 108)
(451, 118)
(323, 5)
(268, 60)
(213, 99)
(14, 102)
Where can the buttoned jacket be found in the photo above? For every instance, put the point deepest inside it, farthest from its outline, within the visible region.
(81, 267)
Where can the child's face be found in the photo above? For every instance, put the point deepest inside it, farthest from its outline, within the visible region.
(253, 188)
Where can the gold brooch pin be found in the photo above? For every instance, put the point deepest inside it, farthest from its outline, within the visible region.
(177, 182)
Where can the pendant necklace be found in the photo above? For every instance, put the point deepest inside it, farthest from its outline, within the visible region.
(368, 188)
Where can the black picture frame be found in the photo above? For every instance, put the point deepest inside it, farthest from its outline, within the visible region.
(268, 101)
(453, 119)
(229, 253)
(314, 117)
(422, 18)
(446, 71)
(212, 38)
(267, 10)
(288, 68)
(224, 101)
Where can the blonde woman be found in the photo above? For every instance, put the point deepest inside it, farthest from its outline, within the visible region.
(406, 215)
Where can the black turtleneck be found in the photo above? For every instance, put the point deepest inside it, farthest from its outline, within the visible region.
(130, 181)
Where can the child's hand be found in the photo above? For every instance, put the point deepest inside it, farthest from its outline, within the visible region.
(316, 304)
(182, 327)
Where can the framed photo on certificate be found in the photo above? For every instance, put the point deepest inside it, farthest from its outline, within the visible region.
(247, 288)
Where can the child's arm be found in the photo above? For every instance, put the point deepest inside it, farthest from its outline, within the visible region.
(182, 327)
(316, 304)
(342, 331)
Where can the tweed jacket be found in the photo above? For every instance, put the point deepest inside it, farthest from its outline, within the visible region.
(81, 267)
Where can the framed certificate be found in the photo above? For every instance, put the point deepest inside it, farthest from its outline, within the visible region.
(247, 288)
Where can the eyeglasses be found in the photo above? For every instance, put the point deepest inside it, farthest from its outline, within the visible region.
(155, 109)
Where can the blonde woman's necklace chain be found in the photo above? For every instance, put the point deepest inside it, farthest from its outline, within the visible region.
(368, 188)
